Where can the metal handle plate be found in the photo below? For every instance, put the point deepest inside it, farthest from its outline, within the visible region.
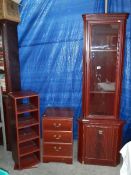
(100, 132)
(57, 148)
(57, 137)
(56, 125)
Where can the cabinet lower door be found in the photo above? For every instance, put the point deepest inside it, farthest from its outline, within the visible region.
(100, 144)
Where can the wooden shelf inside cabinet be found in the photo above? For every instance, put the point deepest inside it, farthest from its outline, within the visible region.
(27, 134)
(29, 147)
(22, 108)
(28, 161)
(1, 64)
(24, 122)
(23, 94)
(25, 128)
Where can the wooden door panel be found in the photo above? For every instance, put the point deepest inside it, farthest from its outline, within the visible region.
(99, 142)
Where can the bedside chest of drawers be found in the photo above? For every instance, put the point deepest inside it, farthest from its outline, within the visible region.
(58, 135)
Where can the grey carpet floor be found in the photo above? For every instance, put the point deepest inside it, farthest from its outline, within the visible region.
(76, 168)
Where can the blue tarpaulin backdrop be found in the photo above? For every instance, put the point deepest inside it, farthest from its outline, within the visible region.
(121, 6)
(50, 47)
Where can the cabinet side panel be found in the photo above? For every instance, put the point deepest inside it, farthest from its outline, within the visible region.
(10, 42)
(7, 116)
(80, 142)
(13, 132)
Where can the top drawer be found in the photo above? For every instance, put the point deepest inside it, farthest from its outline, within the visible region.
(57, 124)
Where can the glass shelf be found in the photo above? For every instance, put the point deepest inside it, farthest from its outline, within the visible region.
(103, 50)
(102, 92)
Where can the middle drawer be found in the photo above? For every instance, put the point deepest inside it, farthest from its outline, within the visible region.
(57, 136)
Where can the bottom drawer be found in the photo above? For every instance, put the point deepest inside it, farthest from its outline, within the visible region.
(57, 149)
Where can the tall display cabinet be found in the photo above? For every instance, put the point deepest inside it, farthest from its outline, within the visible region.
(100, 127)
(9, 68)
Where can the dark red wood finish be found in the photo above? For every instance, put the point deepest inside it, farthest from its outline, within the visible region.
(25, 133)
(99, 134)
(99, 141)
(8, 30)
(11, 55)
(58, 135)
(119, 19)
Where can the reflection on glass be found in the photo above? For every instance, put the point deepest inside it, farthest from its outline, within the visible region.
(104, 37)
(103, 56)
(103, 70)
(101, 103)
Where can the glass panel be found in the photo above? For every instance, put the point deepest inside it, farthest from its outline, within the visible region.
(2, 71)
(103, 57)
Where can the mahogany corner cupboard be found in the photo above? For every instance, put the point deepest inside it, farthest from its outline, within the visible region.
(100, 126)
(9, 68)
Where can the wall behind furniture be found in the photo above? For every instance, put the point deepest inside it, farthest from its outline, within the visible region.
(50, 46)
(121, 6)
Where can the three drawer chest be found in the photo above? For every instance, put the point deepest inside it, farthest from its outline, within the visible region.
(57, 133)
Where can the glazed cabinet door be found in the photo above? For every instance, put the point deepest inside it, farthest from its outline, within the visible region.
(102, 69)
(103, 55)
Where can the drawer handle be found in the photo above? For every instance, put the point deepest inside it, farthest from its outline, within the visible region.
(56, 125)
(57, 148)
(57, 137)
(100, 132)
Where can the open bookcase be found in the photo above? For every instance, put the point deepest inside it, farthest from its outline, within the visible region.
(25, 129)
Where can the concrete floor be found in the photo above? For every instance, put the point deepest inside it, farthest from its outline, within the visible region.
(76, 168)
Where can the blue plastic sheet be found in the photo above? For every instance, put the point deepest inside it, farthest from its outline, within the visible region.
(50, 47)
(121, 6)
